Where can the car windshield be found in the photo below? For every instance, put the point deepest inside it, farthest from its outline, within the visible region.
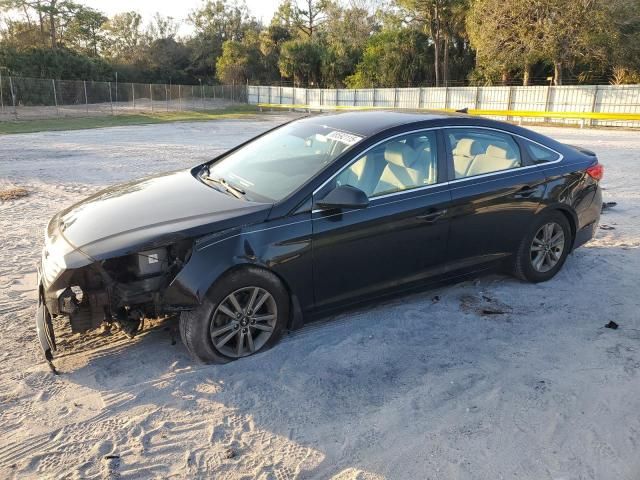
(278, 163)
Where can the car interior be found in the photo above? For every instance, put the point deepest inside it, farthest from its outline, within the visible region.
(398, 165)
(411, 161)
(475, 153)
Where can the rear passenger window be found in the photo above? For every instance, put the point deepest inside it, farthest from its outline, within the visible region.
(538, 153)
(476, 152)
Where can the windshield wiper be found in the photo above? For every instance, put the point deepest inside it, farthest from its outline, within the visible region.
(233, 186)
(228, 187)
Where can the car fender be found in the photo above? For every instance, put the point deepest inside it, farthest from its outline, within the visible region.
(282, 247)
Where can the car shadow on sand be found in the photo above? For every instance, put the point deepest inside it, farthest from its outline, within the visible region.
(365, 392)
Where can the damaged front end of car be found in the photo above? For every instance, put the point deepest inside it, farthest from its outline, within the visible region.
(121, 290)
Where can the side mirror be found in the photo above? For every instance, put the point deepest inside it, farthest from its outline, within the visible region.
(344, 196)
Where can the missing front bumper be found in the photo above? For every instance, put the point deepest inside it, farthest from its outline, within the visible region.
(44, 328)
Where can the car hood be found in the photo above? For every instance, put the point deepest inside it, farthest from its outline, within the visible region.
(151, 212)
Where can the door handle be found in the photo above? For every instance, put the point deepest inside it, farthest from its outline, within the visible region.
(526, 192)
(432, 216)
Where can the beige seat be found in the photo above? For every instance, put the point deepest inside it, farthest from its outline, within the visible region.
(354, 174)
(427, 161)
(403, 168)
(463, 155)
(364, 173)
(494, 159)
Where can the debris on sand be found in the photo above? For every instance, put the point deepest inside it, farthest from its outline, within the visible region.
(484, 305)
(607, 227)
(13, 193)
(613, 325)
(608, 205)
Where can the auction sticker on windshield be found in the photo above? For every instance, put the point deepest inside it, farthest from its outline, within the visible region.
(343, 137)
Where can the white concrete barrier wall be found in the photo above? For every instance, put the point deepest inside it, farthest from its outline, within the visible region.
(574, 98)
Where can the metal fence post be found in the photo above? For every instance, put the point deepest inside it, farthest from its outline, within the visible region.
(133, 95)
(1, 95)
(594, 104)
(55, 97)
(420, 102)
(110, 98)
(86, 99)
(13, 97)
(476, 103)
(151, 96)
(446, 97)
(180, 98)
(395, 98)
(202, 96)
(509, 101)
(547, 103)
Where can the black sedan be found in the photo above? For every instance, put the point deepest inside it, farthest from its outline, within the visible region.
(314, 215)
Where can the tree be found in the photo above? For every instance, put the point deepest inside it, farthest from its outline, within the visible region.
(53, 15)
(392, 58)
(506, 36)
(84, 32)
(576, 31)
(431, 15)
(124, 38)
(300, 60)
(519, 33)
(216, 22)
(311, 15)
(343, 38)
(233, 64)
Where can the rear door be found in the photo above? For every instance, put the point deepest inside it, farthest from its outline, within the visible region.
(495, 192)
(400, 237)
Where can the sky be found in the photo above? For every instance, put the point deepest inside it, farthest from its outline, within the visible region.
(179, 10)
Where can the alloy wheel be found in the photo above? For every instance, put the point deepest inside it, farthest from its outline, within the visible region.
(547, 247)
(243, 322)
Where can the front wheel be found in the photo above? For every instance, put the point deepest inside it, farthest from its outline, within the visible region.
(245, 312)
(544, 249)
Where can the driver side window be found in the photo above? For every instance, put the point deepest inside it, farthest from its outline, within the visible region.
(402, 163)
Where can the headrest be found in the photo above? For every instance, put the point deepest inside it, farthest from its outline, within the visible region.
(400, 154)
(466, 147)
(496, 152)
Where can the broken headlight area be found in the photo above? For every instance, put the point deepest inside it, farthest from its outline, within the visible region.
(121, 290)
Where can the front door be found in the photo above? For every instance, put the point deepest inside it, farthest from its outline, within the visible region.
(400, 237)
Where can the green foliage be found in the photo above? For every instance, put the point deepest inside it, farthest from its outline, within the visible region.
(393, 58)
(300, 60)
(330, 44)
(588, 36)
(46, 63)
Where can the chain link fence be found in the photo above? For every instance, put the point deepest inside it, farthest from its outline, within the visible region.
(23, 98)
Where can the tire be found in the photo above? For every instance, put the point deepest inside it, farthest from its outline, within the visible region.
(246, 284)
(526, 264)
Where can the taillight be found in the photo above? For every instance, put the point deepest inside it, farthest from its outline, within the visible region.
(596, 172)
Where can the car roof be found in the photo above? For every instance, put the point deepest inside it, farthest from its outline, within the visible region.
(368, 123)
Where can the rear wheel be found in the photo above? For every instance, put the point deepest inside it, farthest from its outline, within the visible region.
(544, 249)
(245, 312)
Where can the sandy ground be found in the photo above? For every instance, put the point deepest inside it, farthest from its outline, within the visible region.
(425, 386)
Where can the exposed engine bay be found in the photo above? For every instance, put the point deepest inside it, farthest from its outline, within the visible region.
(121, 290)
